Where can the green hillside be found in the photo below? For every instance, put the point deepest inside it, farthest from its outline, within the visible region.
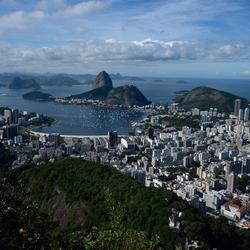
(205, 98)
(75, 204)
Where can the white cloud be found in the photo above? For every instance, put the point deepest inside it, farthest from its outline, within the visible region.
(110, 50)
(63, 8)
(20, 19)
(83, 8)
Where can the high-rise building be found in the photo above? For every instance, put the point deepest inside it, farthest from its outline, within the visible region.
(246, 114)
(237, 104)
(8, 116)
(231, 182)
(15, 115)
(241, 114)
(113, 139)
(139, 175)
(10, 131)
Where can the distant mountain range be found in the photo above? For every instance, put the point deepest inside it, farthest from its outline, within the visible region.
(19, 83)
(205, 98)
(102, 89)
(60, 79)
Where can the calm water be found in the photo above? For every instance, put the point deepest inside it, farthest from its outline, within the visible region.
(91, 120)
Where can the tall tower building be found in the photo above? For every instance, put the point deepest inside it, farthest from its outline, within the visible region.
(237, 104)
(231, 182)
(8, 116)
(113, 139)
(15, 114)
(246, 114)
(241, 114)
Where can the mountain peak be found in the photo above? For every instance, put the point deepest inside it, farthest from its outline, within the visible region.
(102, 80)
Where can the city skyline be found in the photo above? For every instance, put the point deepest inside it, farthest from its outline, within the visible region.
(188, 38)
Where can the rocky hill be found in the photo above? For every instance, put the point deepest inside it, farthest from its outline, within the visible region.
(102, 80)
(126, 95)
(102, 89)
(205, 98)
(19, 83)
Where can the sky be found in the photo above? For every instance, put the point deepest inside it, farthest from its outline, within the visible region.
(165, 38)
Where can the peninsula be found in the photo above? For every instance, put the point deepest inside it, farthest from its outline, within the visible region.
(103, 90)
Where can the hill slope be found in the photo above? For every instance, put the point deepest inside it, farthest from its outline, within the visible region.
(94, 94)
(72, 192)
(78, 195)
(205, 98)
(126, 95)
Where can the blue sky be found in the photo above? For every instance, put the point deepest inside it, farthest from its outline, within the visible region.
(185, 38)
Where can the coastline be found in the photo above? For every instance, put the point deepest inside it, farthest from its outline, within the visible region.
(31, 129)
(35, 133)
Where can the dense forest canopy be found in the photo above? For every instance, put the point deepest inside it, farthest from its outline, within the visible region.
(75, 204)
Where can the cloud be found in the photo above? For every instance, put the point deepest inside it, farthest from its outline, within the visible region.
(192, 19)
(46, 9)
(20, 19)
(59, 8)
(83, 8)
(147, 50)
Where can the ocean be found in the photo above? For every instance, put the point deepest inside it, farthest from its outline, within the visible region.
(93, 120)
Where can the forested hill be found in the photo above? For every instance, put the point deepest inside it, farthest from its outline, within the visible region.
(75, 204)
(205, 98)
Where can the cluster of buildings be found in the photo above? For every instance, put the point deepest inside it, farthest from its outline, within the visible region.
(203, 166)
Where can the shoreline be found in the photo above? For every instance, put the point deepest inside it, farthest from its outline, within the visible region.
(35, 133)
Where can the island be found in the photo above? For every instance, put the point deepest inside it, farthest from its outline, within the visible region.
(38, 96)
(181, 82)
(19, 83)
(158, 80)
